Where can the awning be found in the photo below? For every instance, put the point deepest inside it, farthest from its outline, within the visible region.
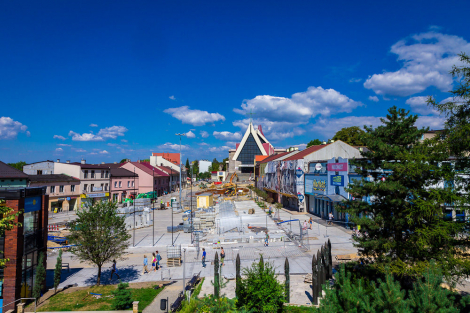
(332, 198)
(288, 195)
(270, 190)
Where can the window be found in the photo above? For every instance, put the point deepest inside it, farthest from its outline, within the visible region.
(312, 167)
(106, 187)
(102, 186)
(249, 150)
(92, 174)
(120, 184)
(61, 188)
(92, 187)
(102, 174)
(30, 223)
(85, 187)
(86, 174)
(39, 172)
(128, 184)
(107, 173)
(52, 189)
(115, 184)
(132, 184)
(72, 188)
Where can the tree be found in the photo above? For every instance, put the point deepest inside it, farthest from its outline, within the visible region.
(350, 135)
(18, 165)
(238, 277)
(58, 271)
(261, 292)
(7, 222)
(187, 165)
(224, 168)
(215, 165)
(314, 142)
(287, 284)
(123, 161)
(122, 297)
(99, 234)
(402, 226)
(216, 276)
(40, 277)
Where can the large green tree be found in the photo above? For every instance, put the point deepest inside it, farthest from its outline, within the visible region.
(409, 182)
(99, 234)
(7, 222)
(18, 165)
(350, 135)
(215, 165)
(314, 142)
(187, 166)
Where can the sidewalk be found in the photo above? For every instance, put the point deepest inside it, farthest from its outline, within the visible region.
(171, 291)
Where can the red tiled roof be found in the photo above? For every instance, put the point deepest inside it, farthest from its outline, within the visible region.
(305, 152)
(273, 157)
(6, 171)
(149, 169)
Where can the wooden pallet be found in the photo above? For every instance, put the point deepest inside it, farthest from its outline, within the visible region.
(173, 262)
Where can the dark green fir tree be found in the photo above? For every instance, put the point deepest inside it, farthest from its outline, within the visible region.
(409, 181)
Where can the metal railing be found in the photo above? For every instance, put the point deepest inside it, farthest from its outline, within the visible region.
(20, 299)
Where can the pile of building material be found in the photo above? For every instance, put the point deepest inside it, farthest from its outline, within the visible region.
(173, 255)
(204, 219)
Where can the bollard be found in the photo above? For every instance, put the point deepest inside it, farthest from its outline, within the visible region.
(20, 308)
(135, 307)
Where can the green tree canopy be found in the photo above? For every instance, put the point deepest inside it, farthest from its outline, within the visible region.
(187, 164)
(99, 234)
(350, 135)
(403, 225)
(215, 165)
(123, 161)
(224, 164)
(7, 222)
(18, 165)
(314, 142)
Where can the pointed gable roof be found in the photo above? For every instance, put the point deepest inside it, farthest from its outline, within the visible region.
(250, 130)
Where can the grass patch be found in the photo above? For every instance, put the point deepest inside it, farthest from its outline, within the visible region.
(80, 300)
(299, 309)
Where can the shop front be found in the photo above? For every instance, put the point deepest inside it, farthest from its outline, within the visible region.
(63, 204)
(89, 199)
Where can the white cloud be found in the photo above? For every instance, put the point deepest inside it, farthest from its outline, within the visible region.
(172, 97)
(78, 150)
(63, 145)
(219, 149)
(374, 98)
(203, 144)
(85, 136)
(194, 117)
(355, 80)
(433, 122)
(93, 125)
(329, 127)
(172, 146)
(427, 59)
(273, 130)
(59, 137)
(123, 140)
(104, 152)
(112, 132)
(113, 144)
(300, 107)
(59, 149)
(204, 134)
(10, 128)
(190, 134)
(225, 135)
(420, 105)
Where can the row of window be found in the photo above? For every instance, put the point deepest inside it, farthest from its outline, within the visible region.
(119, 184)
(104, 174)
(52, 189)
(103, 187)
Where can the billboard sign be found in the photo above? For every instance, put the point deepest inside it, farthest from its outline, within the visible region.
(315, 184)
(32, 204)
(337, 167)
(337, 180)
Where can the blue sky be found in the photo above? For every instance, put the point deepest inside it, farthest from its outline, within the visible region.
(106, 80)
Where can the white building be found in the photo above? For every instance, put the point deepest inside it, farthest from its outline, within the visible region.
(204, 166)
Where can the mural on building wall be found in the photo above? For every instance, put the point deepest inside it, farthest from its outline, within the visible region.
(315, 184)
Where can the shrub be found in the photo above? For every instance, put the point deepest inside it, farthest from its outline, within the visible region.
(40, 277)
(122, 297)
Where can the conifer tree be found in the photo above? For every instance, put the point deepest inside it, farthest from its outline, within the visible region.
(389, 297)
(287, 284)
(261, 262)
(238, 278)
(402, 226)
(40, 277)
(216, 276)
(58, 271)
(315, 290)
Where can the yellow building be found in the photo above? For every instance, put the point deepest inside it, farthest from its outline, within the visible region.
(205, 200)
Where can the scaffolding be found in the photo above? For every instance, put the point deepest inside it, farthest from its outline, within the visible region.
(228, 220)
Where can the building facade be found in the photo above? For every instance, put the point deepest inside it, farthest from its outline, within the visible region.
(39, 168)
(124, 184)
(11, 177)
(63, 191)
(150, 178)
(23, 244)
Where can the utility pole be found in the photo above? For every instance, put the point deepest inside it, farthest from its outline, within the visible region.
(133, 237)
(153, 207)
(180, 166)
(191, 167)
(171, 207)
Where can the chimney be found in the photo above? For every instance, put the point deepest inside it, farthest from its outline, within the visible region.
(58, 160)
(83, 161)
(323, 143)
(115, 162)
(68, 161)
(102, 162)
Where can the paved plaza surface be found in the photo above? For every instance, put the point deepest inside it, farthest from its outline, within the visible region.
(249, 245)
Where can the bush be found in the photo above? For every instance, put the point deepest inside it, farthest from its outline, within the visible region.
(260, 291)
(122, 297)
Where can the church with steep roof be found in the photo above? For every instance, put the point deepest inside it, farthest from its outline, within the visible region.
(241, 160)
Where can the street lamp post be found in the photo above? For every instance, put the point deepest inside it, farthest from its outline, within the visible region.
(191, 167)
(180, 165)
(171, 207)
(153, 207)
(133, 237)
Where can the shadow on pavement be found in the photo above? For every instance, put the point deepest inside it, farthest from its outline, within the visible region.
(63, 276)
(310, 298)
(126, 274)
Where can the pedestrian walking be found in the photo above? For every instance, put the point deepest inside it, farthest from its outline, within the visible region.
(305, 225)
(159, 257)
(146, 262)
(311, 222)
(154, 262)
(330, 217)
(114, 270)
(222, 256)
(203, 257)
